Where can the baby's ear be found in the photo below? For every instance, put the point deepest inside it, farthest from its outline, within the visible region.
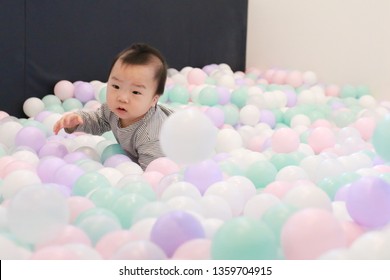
(155, 99)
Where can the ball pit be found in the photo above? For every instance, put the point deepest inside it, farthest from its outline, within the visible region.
(261, 164)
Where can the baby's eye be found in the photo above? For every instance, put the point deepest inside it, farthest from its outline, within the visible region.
(115, 86)
(136, 92)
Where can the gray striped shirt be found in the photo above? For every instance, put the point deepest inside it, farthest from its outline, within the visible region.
(139, 140)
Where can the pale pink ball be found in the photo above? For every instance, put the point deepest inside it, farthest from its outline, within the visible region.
(321, 123)
(256, 143)
(311, 232)
(321, 138)
(64, 89)
(278, 188)
(17, 165)
(279, 77)
(332, 90)
(55, 252)
(70, 234)
(112, 242)
(196, 76)
(352, 231)
(77, 205)
(153, 178)
(3, 115)
(285, 140)
(365, 126)
(4, 161)
(163, 165)
(294, 78)
(195, 249)
(268, 75)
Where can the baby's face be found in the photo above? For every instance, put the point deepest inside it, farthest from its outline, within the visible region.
(131, 91)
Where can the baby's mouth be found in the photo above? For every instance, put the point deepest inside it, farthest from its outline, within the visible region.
(122, 109)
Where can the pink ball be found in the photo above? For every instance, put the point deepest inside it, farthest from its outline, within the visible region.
(77, 205)
(278, 188)
(285, 140)
(196, 76)
(366, 127)
(196, 249)
(17, 165)
(4, 161)
(70, 234)
(352, 231)
(294, 78)
(112, 242)
(3, 115)
(332, 90)
(64, 90)
(55, 252)
(311, 232)
(153, 178)
(279, 77)
(163, 165)
(321, 138)
(31, 137)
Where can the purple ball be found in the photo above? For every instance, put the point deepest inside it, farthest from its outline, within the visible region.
(216, 115)
(291, 98)
(75, 156)
(30, 136)
(268, 117)
(223, 95)
(115, 160)
(47, 167)
(56, 149)
(84, 92)
(203, 174)
(67, 175)
(175, 228)
(368, 202)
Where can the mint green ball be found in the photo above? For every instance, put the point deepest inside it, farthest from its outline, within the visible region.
(103, 94)
(231, 113)
(179, 94)
(231, 168)
(348, 91)
(72, 104)
(276, 216)
(51, 99)
(208, 96)
(126, 206)
(261, 173)
(281, 160)
(239, 97)
(56, 108)
(97, 222)
(244, 238)
(381, 138)
(141, 188)
(362, 90)
(111, 150)
(105, 197)
(88, 182)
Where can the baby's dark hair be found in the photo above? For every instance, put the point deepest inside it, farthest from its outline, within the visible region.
(143, 54)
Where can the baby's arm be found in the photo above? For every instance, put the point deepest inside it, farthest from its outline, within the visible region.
(70, 121)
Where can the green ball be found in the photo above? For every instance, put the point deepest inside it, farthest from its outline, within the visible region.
(348, 91)
(97, 222)
(276, 216)
(231, 168)
(239, 97)
(105, 197)
(111, 150)
(362, 90)
(381, 138)
(126, 206)
(141, 188)
(56, 108)
(72, 104)
(231, 113)
(244, 238)
(51, 99)
(179, 94)
(103, 94)
(208, 96)
(281, 160)
(88, 182)
(261, 173)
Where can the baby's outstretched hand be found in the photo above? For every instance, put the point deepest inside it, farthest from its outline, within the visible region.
(71, 120)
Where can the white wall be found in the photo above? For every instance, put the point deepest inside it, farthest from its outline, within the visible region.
(342, 41)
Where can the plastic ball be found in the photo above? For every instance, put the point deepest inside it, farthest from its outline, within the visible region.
(32, 106)
(188, 136)
(285, 140)
(110, 150)
(84, 92)
(208, 96)
(72, 104)
(8, 132)
(244, 238)
(139, 250)
(368, 202)
(126, 206)
(321, 138)
(64, 89)
(381, 138)
(195, 249)
(309, 233)
(179, 94)
(18, 180)
(261, 173)
(112, 242)
(89, 181)
(53, 148)
(173, 229)
(249, 115)
(44, 208)
(196, 76)
(203, 174)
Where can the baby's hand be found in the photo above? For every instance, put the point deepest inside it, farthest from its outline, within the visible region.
(71, 120)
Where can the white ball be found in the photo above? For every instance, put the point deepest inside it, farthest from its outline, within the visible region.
(32, 106)
(228, 140)
(249, 115)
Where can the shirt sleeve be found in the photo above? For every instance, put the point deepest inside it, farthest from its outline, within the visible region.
(96, 122)
(149, 151)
